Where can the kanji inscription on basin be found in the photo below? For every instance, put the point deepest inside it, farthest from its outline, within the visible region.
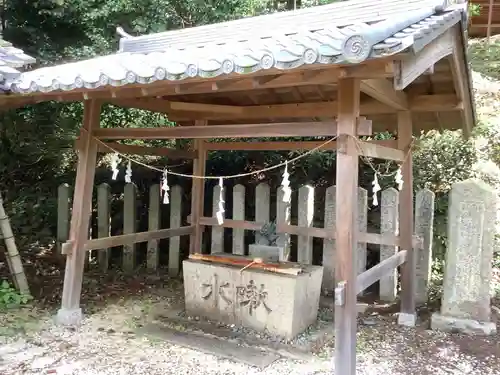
(252, 297)
(215, 289)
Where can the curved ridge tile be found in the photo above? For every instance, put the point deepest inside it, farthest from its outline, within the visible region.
(332, 45)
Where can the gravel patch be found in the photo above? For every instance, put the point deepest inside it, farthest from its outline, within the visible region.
(107, 344)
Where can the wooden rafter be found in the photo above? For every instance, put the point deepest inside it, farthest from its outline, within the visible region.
(309, 75)
(411, 67)
(201, 107)
(383, 91)
(420, 103)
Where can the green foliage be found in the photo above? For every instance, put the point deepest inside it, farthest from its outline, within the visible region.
(36, 142)
(474, 9)
(10, 297)
(485, 58)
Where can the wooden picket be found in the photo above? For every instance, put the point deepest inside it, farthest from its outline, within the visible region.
(307, 214)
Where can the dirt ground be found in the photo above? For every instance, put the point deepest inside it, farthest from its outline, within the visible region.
(111, 341)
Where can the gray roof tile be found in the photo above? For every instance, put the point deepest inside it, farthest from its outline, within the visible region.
(297, 38)
(11, 59)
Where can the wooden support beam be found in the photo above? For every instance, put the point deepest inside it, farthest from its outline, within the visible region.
(420, 103)
(414, 65)
(380, 270)
(286, 146)
(259, 81)
(461, 81)
(145, 150)
(383, 91)
(287, 129)
(198, 193)
(201, 107)
(325, 233)
(79, 228)
(374, 150)
(436, 103)
(125, 239)
(408, 271)
(347, 228)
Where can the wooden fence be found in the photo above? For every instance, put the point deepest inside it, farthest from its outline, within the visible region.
(487, 22)
(307, 215)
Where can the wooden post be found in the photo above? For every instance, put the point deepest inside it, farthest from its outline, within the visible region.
(198, 193)
(408, 275)
(329, 246)
(70, 312)
(490, 19)
(63, 214)
(306, 216)
(217, 244)
(283, 213)
(238, 214)
(389, 221)
(262, 209)
(347, 228)
(174, 246)
(154, 224)
(104, 222)
(129, 226)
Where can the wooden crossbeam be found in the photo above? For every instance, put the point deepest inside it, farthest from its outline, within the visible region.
(125, 239)
(419, 103)
(374, 150)
(326, 233)
(286, 146)
(383, 91)
(201, 107)
(145, 150)
(380, 270)
(290, 129)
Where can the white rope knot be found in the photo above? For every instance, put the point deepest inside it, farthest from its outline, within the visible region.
(285, 184)
(128, 173)
(165, 188)
(220, 212)
(115, 161)
(376, 188)
(398, 178)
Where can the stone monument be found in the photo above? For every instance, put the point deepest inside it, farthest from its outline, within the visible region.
(471, 229)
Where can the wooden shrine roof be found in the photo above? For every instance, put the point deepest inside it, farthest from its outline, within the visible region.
(277, 59)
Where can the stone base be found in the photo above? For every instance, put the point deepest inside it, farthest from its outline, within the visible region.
(267, 253)
(468, 326)
(408, 320)
(283, 305)
(69, 317)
